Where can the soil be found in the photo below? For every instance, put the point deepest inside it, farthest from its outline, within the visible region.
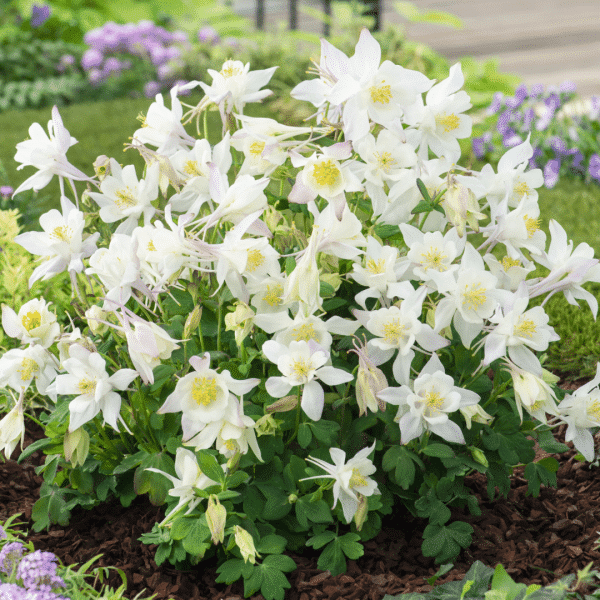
(538, 540)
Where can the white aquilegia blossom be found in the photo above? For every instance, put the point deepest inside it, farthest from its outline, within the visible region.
(95, 390)
(20, 366)
(48, 155)
(189, 476)
(302, 363)
(203, 395)
(33, 324)
(61, 242)
(581, 411)
(351, 478)
(124, 197)
(12, 428)
(427, 405)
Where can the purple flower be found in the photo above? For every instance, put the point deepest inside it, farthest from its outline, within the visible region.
(180, 37)
(517, 100)
(151, 89)
(595, 111)
(551, 173)
(594, 167)
(10, 556)
(38, 571)
(558, 145)
(39, 15)
(181, 82)
(543, 122)
(158, 55)
(164, 72)
(112, 65)
(145, 27)
(537, 151)
(208, 35)
(576, 165)
(232, 42)
(503, 121)
(12, 591)
(510, 138)
(92, 58)
(95, 76)
(536, 90)
(6, 192)
(567, 87)
(528, 117)
(3, 534)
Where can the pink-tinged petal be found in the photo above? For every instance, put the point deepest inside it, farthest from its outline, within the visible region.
(313, 400)
(367, 55)
(239, 387)
(339, 204)
(584, 442)
(200, 363)
(394, 395)
(334, 60)
(300, 194)
(61, 134)
(333, 376)
(277, 387)
(172, 404)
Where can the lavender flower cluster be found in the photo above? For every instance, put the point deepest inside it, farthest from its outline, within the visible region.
(36, 572)
(114, 49)
(565, 133)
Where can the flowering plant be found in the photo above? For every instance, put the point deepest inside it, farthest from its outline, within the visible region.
(258, 307)
(564, 130)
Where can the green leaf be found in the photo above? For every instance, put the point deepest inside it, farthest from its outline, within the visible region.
(317, 512)
(272, 544)
(332, 559)
(318, 541)
(280, 562)
(230, 571)
(351, 546)
(51, 508)
(181, 527)
(130, 462)
(424, 192)
(210, 467)
(503, 582)
(439, 451)
(274, 582)
(154, 484)
(444, 542)
(541, 472)
(325, 431)
(276, 505)
(198, 534)
(252, 584)
(304, 435)
(421, 207)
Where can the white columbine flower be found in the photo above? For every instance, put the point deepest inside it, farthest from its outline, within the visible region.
(19, 367)
(581, 411)
(427, 405)
(351, 478)
(33, 324)
(87, 378)
(48, 155)
(302, 363)
(61, 242)
(12, 428)
(203, 395)
(124, 197)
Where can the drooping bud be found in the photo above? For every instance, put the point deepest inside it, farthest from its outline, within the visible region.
(192, 322)
(240, 321)
(477, 414)
(479, 456)
(283, 404)
(293, 498)
(92, 314)
(266, 425)
(461, 207)
(245, 543)
(360, 516)
(216, 515)
(76, 445)
(102, 167)
(369, 382)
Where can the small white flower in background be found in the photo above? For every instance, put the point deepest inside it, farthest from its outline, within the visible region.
(87, 378)
(569, 269)
(66, 340)
(324, 175)
(12, 428)
(61, 242)
(427, 405)
(533, 393)
(440, 122)
(19, 367)
(48, 155)
(267, 295)
(233, 433)
(518, 328)
(189, 476)
(124, 197)
(203, 395)
(510, 271)
(302, 363)
(33, 324)
(162, 127)
(351, 478)
(240, 321)
(194, 167)
(581, 411)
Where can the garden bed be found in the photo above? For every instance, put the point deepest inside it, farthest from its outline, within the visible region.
(538, 540)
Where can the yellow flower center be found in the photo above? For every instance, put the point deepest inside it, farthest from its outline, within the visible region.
(151, 246)
(255, 259)
(301, 368)
(394, 331)
(273, 296)
(448, 122)
(525, 328)
(357, 479)
(62, 234)
(508, 262)
(191, 168)
(593, 411)
(28, 368)
(125, 198)
(385, 160)
(434, 400)
(230, 445)
(376, 268)
(326, 173)
(31, 320)
(522, 189)
(230, 71)
(532, 225)
(381, 93)
(204, 391)
(142, 119)
(433, 259)
(256, 148)
(474, 296)
(87, 386)
(304, 333)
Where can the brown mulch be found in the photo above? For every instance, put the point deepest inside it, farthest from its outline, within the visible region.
(556, 531)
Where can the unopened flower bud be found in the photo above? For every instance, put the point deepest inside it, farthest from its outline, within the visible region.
(283, 404)
(92, 315)
(192, 322)
(479, 456)
(266, 425)
(369, 382)
(240, 322)
(216, 515)
(102, 167)
(360, 516)
(245, 543)
(292, 498)
(234, 461)
(477, 414)
(76, 445)
(461, 207)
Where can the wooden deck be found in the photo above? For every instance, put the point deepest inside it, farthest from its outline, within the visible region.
(542, 41)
